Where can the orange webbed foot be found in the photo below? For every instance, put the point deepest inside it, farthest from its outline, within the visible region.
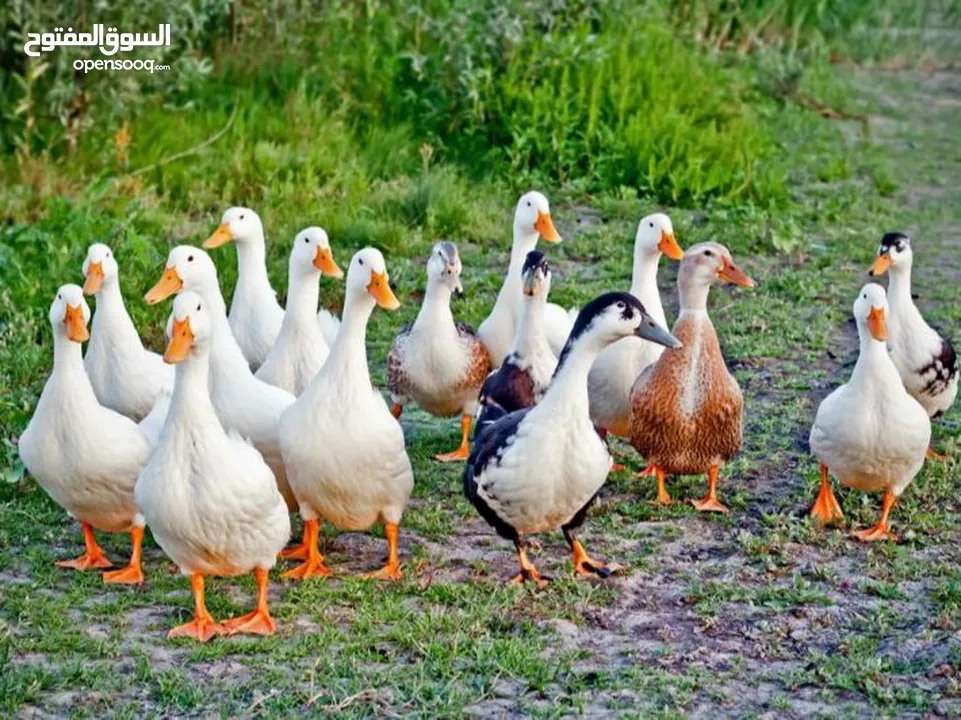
(461, 453)
(932, 454)
(530, 575)
(130, 575)
(618, 467)
(311, 567)
(87, 561)
(390, 572)
(258, 622)
(874, 534)
(710, 504)
(294, 552)
(201, 628)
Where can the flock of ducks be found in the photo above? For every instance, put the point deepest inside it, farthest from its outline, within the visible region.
(258, 412)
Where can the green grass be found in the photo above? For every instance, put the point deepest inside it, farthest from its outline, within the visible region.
(400, 128)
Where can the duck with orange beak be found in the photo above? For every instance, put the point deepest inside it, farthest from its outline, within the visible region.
(216, 512)
(125, 376)
(686, 408)
(926, 361)
(343, 449)
(84, 455)
(870, 433)
(300, 349)
(532, 222)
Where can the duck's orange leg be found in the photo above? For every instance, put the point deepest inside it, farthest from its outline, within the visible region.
(932, 454)
(647, 471)
(826, 507)
(203, 626)
(462, 452)
(298, 551)
(881, 531)
(663, 497)
(584, 564)
(259, 621)
(93, 557)
(396, 410)
(528, 571)
(710, 502)
(133, 573)
(313, 565)
(390, 571)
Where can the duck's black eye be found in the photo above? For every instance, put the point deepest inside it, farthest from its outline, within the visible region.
(360, 260)
(528, 203)
(652, 224)
(190, 258)
(708, 253)
(306, 240)
(621, 306)
(241, 216)
(59, 297)
(198, 306)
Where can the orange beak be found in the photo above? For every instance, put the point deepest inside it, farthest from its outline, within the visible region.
(379, 289)
(876, 324)
(221, 236)
(181, 340)
(94, 281)
(733, 274)
(545, 227)
(76, 327)
(880, 265)
(168, 285)
(324, 261)
(668, 245)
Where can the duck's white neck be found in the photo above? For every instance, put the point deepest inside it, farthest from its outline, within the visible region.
(191, 402)
(435, 310)
(529, 333)
(303, 294)
(67, 357)
(569, 384)
(112, 317)
(874, 364)
(225, 353)
(693, 294)
(252, 267)
(899, 286)
(349, 353)
(524, 242)
(644, 283)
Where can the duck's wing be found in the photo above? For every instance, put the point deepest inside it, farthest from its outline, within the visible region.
(396, 375)
(479, 361)
(941, 372)
(505, 391)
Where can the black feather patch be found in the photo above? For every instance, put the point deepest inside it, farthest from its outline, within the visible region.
(534, 259)
(895, 240)
(597, 306)
(507, 389)
(944, 365)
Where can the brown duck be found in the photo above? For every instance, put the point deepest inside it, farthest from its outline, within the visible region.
(685, 415)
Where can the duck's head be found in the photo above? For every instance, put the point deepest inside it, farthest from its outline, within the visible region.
(655, 235)
(612, 316)
(99, 267)
(871, 311)
(367, 276)
(444, 267)
(536, 275)
(189, 327)
(533, 217)
(894, 253)
(69, 313)
(709, 263)
(240, 225)
(188, 268)
(311, 252)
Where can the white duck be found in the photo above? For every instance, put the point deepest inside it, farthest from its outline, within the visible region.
(243, 403)
(85, 456)
(869, 432)
(343, 449)
(532, 220)
(617, 367)
(541, 468)
(300, 349)
(436, 362)
(926, 362)
(126, 377)
(215, 512)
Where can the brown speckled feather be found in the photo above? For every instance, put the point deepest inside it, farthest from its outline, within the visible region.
(396, 379)
(479, 364)
(686, 409)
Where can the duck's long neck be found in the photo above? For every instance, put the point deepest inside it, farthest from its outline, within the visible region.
(225, 354)
(693, 295)
(569, 385)
(191, 402)
(899, 293)
(68, 359)
(874, 365)
(252, 268)
(349, 352)
(435, 311)
(303, 293)
(510, 293)
(111, 323)
(644, 283)
(530, 328)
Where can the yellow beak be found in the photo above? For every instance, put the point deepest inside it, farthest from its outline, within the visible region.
(880, 265)
(876, 324)
(76, 327)
(379, 289)
(733, 274)
(545, 227)
(94, 281)
(221, 236)
(668, 245)
(324, 261)
(168, 285)
(181, 340)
